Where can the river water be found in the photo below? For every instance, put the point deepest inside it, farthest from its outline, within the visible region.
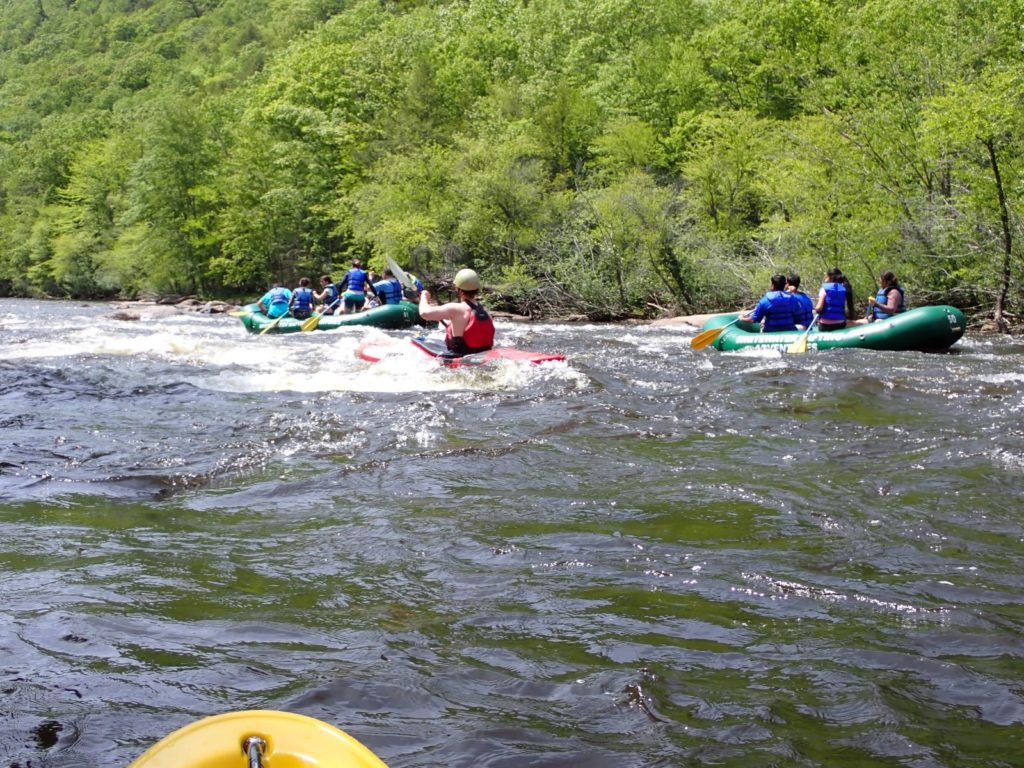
(645, 556)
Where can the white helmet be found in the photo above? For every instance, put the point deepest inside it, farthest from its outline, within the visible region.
(467, 280)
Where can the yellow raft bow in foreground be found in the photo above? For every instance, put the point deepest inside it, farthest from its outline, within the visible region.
(258, 737)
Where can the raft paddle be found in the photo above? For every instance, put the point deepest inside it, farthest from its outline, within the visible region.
(799, 346)
(314, 319)
(403, 278)
(706, 338)
(275, 323)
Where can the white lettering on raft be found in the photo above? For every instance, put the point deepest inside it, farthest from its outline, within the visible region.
(763, 339)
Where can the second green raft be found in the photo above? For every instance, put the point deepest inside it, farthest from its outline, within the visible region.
(924, 329)
(405, 314)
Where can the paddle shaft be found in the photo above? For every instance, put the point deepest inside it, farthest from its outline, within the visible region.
(314, 321)
(799, 346)
(274, 324)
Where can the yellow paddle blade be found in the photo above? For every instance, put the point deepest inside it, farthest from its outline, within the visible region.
(706, 338)
(239, 313)
(799, 346)
(310, 324)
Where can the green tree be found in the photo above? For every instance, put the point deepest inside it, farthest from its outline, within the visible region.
(626, 145)
(502, 190)
(169, 210)
(633, 231)
(86, 223)
(978, 128)
(408, 209)
(824, 205)
(724, 166)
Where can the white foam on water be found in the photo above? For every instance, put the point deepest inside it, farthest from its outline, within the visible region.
(1011, 377)
(337, 367)
(221, 356)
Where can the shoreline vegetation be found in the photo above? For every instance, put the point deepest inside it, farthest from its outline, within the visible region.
(607, 160)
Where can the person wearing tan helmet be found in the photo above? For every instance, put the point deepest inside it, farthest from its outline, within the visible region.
(470, 328)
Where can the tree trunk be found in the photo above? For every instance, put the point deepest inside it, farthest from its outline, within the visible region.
(1004, 218)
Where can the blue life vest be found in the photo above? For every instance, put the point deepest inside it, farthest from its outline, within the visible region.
(881, 297)
(835, 302)
(356, 280)
(803, 308)
(778, 315)
(331, 294)
(303, 299)
(279, 296)
(388, 291)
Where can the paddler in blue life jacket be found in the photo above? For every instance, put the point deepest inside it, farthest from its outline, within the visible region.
(301, 303)
(470, 328)
(388, 290)
(776, 307)
(275, 302)
(329, 295)
(804, 307)
(888, 301)
(353, 288)
(832, 301)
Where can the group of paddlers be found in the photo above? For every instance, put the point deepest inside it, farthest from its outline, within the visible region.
(787, 308)
(357, 290)
(469, 328)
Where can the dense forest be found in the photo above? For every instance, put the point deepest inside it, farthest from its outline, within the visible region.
(610, 158)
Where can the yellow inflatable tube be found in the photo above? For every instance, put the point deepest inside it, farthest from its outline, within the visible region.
(258, 737)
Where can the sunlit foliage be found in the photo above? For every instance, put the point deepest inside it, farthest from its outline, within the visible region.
(610, 158)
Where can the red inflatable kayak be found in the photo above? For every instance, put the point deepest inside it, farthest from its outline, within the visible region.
(374, 351)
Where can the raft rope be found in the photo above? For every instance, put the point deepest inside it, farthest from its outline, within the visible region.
(254, 747)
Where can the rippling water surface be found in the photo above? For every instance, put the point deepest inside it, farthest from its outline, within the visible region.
(645, 556)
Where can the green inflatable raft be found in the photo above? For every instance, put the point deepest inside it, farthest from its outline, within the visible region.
(405, 314)
(924, 329)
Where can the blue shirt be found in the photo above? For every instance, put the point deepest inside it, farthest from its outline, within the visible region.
(776, 307)
(303, 298)
(803, 308)
(354, 281)
(388, 291)
(276, 300)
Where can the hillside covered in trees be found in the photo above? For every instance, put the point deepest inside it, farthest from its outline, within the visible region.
(608, 157)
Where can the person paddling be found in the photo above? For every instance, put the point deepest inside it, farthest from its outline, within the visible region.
(803, 309)
(329, 296)
(353, 288)
(831, 306)
(776, 307)
(889, 300)
(301, 304)
(470, 328)
(275, 302)
(388, 290)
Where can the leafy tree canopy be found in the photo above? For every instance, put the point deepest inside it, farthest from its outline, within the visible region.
(611, 157)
